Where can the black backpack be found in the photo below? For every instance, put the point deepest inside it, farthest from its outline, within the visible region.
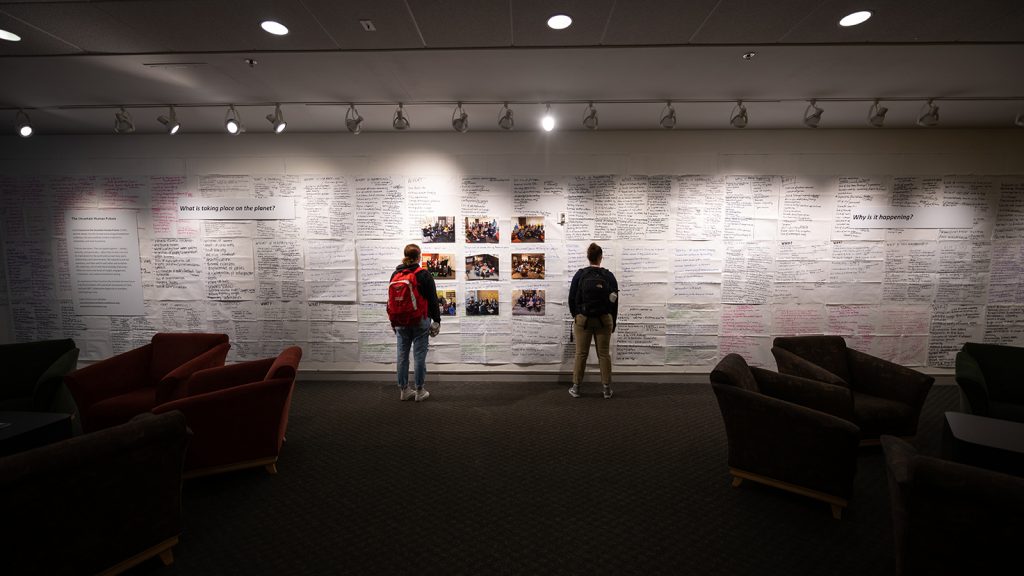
(592, 296)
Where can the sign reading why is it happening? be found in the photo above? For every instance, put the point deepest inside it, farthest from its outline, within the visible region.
(911, 217)
(237, 209)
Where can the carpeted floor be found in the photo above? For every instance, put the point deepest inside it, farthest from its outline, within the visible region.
(497, 478)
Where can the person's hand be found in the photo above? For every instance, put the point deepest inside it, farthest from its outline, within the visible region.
(435, 328)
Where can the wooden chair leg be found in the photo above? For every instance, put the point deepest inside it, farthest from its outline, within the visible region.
(167, 557)
(736, 481)
(837, 512)
(271, 468)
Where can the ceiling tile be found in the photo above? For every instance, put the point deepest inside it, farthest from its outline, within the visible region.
(221, 25)
(463, 23)
(745, 22)
(86, 26)
(530, 22)
(395, 28)
(647, 22)
(33, 40)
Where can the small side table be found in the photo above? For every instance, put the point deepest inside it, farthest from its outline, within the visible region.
(985, 442)
(22, 431)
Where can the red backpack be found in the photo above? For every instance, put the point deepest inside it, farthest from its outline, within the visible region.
(406, 306)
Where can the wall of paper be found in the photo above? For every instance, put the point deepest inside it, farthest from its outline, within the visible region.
(716, 251)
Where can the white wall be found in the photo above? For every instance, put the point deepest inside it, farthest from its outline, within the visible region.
(804, 152)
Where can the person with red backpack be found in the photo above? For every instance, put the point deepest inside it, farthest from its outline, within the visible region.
(594, 305)
(415, 316)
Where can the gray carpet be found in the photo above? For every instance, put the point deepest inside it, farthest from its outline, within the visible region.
(489, 478)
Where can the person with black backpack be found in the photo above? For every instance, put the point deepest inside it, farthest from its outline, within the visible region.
(415, 316)
(594, 305)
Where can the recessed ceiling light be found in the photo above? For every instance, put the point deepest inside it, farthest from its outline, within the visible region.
(749, 55)
(559, 22)
(9, 36)
(275, 28)
(855, 18)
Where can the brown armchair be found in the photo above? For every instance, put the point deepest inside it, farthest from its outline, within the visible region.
(788, 432)
(238, 414)
(887, 397)
(114, 390)
(98, 503)
(951, 518)
(991, 380)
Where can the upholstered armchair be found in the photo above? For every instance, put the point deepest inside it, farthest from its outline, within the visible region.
(34, 374)
(887, 397)
(788, 432)
(951, 518)
(98, 503)
(238, 414)
(991, 380)
(114, 390)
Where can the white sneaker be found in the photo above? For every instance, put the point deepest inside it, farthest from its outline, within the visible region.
(574, 391)
(608, 392)
(422, 395)
(407, 394)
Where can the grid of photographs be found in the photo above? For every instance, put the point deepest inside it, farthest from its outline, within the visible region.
(528, 302)
(482, 303)
(527, 266)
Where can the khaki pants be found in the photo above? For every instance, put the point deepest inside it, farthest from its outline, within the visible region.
(600, 328)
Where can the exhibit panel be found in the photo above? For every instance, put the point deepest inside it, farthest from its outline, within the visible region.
(906, 267)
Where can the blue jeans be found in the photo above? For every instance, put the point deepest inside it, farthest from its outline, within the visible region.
(417, 337)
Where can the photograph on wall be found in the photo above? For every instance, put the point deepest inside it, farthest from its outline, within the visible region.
(439, 265)
(481, 230)
(447, 301)
(527, 266)
(528, 229)
(482, 267)
(438, 229)
(528, 302)
(482, 303)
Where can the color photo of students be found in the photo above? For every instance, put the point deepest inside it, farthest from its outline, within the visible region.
(447, 301)
(439, 229)
(481, 230)
(482, 303)
(528, 229)
(439, 265)
(527, 266)
(527, 303)
(482, 267)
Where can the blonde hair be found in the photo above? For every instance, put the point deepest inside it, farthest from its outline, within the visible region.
(412, 254)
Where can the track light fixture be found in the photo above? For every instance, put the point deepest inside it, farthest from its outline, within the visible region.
(400, 122)
(123, 122)
(930, 117)
(505, 118)
(25, 130)
(548, 121)
(170, 121)
(590, 117)
(1019, 120)
(668, 116)
(233, 121)
(353, 121)
(460, 120)
(876, 115)
(812, 115)
(277, 120)
(739, 117)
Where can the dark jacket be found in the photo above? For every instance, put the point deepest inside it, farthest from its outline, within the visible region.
(427, 288)
(613, 307)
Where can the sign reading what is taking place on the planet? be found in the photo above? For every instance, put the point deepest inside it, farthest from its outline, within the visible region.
(237, 209)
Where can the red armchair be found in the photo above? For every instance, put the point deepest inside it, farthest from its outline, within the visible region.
(112, 391)
(238, 414)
